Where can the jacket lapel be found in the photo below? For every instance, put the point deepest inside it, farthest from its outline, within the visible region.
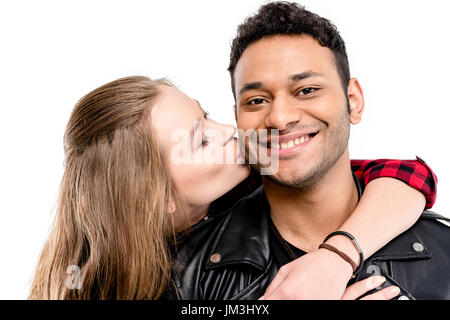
(244, 237)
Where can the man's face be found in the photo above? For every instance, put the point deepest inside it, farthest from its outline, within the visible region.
(291, 83)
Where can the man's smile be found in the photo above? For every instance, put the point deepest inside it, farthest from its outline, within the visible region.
(289, 143)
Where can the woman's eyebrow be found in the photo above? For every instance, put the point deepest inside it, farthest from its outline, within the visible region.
(197, 125)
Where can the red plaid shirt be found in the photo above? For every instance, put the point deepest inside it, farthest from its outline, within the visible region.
(415, 173)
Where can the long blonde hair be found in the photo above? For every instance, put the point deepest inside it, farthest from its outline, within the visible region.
(112, 223)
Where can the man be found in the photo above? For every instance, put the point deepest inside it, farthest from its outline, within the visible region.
(290, 72)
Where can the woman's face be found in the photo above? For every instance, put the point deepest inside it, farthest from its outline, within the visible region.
(204, 156)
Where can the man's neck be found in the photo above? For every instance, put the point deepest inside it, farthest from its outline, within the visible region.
(304, 217)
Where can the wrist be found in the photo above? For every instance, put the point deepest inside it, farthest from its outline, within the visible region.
(340, 266)
(345, 245)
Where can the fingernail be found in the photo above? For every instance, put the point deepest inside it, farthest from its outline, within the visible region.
(395, 291)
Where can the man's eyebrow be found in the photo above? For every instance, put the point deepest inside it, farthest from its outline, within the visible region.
(305, 75)
(250, 86)
(295, 77)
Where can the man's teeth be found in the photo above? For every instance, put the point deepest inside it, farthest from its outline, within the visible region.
(290, 144)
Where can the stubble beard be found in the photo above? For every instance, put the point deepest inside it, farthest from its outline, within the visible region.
(330, 154)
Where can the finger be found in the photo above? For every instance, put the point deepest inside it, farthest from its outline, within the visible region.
(279, 278)
(384, 294)
(357, 289)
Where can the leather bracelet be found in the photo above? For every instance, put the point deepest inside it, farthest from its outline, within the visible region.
(339, 253)
(357, 247)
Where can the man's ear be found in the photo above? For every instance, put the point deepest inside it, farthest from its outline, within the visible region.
(235, 113)
(356, 101)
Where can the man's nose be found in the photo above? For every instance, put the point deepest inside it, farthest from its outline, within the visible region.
(283, 112)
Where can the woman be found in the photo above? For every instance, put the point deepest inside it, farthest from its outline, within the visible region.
(124, 197)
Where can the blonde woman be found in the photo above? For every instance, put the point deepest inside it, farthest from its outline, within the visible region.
(123, 198)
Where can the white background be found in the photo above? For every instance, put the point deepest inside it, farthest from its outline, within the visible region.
(53, 52)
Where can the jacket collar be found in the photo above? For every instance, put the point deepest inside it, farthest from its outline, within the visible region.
(407, 245)
(245, 236)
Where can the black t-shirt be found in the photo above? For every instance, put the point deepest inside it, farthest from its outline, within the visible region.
(285, 252)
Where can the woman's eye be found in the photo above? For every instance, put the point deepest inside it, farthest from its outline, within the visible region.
(206, 115)
(256, 101)
(205, 141)
(307, 91)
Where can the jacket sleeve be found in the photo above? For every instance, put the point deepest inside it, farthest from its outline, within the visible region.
(415, 173)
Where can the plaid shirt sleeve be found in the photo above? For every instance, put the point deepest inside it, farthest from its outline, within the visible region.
(415, 173)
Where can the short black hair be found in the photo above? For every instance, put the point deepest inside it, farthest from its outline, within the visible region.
(289, 18)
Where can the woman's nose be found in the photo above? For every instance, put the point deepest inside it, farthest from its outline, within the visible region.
(223, 133)
(229, 133)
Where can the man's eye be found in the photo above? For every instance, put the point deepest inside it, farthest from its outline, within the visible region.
(307, 91)
(256, 101)
(206, 115)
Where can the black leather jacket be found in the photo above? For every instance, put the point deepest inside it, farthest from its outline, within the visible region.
(228, 256)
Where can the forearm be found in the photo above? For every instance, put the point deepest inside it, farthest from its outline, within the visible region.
(386, 209)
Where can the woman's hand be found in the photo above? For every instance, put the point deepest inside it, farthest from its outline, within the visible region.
(327, 280)
(323, 275)
(359, 288)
